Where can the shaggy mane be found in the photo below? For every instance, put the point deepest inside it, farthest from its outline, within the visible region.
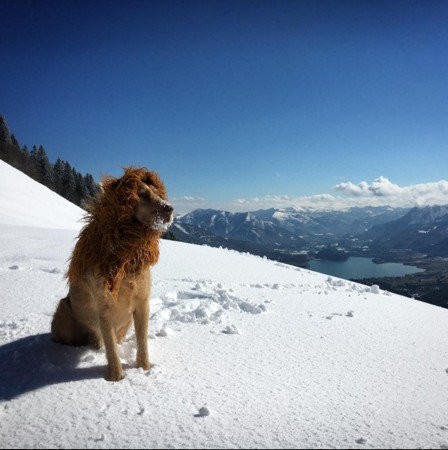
(113, 241)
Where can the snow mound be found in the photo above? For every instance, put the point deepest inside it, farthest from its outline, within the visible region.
(202, 303)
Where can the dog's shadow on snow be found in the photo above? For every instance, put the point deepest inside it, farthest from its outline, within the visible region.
(35, 362)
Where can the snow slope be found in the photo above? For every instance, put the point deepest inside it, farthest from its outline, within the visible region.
(247, 353)
(25, 202)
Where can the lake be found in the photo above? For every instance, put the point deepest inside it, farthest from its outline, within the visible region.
(357, 267)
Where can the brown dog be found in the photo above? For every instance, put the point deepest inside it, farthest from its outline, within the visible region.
(109, 279)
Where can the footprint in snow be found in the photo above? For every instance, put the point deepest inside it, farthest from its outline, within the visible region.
(141, 411)
(332, 315)
(88, 358)
(100, 439)
(348, 314)
(55, 270)
(361, 441)
(154, 370)
(203, 412)
(164, 332)
(231, 329)
(14, 267)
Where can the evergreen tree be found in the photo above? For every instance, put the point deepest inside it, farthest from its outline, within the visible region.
(26, 167)
(92, 187)
(68, 183)
(7, 151)
(15, 142)
(58, 175)
(5, 135)
(20, 159)
(34, 165)
(45, 169)
(81, 190)
(169, 236)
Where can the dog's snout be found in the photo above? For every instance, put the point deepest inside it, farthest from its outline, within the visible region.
(167, 208)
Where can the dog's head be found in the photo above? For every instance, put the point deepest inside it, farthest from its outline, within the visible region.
(139, 195)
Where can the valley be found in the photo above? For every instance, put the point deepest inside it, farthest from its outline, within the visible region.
(415, 237)
(430, 286)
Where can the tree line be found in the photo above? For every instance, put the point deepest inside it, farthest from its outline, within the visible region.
(60, 177)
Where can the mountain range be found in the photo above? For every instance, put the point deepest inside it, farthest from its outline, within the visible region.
(291, 232)
(422, 230)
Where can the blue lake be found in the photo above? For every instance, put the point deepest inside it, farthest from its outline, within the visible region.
(358, 267)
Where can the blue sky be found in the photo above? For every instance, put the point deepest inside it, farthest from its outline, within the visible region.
(233, 100)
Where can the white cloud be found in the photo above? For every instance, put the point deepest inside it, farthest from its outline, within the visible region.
(380, 192)
(320, 201)
(186, 203)
(268, 201)
(379, 187)
(383, 192)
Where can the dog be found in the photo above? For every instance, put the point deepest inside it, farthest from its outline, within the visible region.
(109, 270)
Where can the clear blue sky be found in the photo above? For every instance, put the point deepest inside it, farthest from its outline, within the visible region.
(232, 99)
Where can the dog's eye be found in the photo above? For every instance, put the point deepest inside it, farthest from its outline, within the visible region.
(141, 192)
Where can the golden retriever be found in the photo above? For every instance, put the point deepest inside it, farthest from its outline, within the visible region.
(109, 271)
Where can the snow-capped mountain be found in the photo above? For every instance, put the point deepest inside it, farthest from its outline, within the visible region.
(246, 353)
(427, 215)
(422, 229)
(252, 227)
(337, 223)
(288, 229)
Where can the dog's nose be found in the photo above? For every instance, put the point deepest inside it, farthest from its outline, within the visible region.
(167, 208)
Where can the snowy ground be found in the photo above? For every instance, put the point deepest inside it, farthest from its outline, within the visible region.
(247, 353)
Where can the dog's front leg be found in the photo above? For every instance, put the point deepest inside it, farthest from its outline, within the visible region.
(114, 367)
(141, 318)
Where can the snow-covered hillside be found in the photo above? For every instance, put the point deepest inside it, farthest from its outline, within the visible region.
(247, 353)
(25, 202)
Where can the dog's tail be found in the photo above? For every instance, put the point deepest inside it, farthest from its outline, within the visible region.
(65, 329)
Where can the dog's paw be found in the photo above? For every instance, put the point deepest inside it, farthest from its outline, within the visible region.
(114, 374)
(143, 363)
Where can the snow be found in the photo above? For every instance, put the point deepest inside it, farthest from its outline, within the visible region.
(246, 352)
(181, 228)
(25, 202)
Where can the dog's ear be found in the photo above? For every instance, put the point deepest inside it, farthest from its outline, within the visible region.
(152, 178)
(110, 184)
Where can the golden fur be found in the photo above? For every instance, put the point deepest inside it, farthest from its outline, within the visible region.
(108, 274)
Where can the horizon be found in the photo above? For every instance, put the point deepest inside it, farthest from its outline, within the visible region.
(238, 105)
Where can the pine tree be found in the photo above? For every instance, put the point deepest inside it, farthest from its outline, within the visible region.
(45, 168)
(5, 135)
(26, 160)
(34, 165)
(58, 175)
(8, 152)
(14, 141)
(169, 236)
(68, 183)
(81, 190)
(92, 187)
